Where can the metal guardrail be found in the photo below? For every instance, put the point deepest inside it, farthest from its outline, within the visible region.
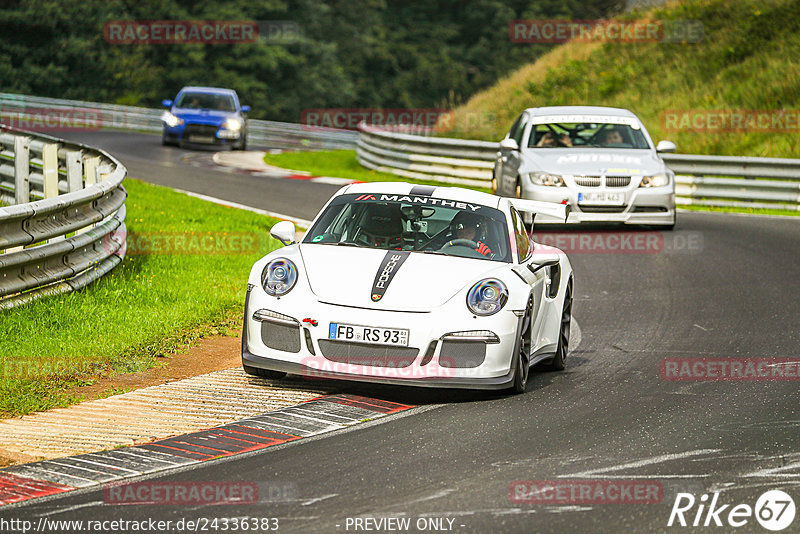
(726, 181)
(62, 216)
(26, 111)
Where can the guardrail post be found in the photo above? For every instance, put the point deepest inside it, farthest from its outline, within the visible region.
(22, 155)
(90, 178)
(74, 171)
(90, 170)
(50, 170)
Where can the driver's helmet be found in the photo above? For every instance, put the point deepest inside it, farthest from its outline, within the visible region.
(465, 219)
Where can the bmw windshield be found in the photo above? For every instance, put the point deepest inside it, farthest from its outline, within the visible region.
(413, 223)
(588, 134)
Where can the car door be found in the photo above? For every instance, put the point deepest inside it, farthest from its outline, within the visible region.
(509, 160)
(537, 280)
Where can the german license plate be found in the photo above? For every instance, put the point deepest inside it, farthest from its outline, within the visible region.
(200, 139)
(368, 334)
(608, 199)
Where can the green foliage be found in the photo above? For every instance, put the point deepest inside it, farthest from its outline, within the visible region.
(339, 164)
(359, 53)
(746, 60)
(148, 306)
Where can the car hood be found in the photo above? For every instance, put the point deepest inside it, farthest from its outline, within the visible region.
(346, 275)
(203, 116)
(591, 161)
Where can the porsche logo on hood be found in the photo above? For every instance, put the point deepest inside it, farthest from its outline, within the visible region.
(388, 268)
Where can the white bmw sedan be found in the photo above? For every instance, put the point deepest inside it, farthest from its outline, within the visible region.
(411, 285)
(600, 160)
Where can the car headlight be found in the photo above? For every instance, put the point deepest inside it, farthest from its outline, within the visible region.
(171, 120)
(656, 180)
(487, 297)
(544, 178)
(232, 124)
(279, 277)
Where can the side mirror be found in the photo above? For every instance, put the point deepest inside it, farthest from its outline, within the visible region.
(509, 144)
(166, 103)
(245, 109)
(542, 260)
(284, 232)
(665, 146)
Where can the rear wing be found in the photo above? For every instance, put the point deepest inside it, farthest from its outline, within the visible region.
(551, 209)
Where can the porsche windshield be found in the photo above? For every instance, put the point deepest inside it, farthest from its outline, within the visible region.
(587, 134)
(421, 224)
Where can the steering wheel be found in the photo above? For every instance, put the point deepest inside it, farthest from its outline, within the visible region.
(460, 243)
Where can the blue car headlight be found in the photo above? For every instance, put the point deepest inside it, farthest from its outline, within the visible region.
(279, 277)
(232, 124)
(171, 120)
(487, 297)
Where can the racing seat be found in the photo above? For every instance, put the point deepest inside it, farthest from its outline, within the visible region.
(380, 226)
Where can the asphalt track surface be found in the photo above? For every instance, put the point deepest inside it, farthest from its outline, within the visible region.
(609, 416)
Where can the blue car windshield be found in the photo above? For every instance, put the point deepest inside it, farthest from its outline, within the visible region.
(206, 101)
(417, 224)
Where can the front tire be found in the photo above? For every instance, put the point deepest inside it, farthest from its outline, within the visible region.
(523, 356)
(558, 361)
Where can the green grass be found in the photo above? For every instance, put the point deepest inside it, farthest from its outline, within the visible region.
(340, 164)
(753, 211)
(146, 307)
(747, 60)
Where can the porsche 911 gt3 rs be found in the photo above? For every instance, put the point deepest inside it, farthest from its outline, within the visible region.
(412, 285)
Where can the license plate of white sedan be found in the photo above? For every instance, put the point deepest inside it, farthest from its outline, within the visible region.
(610, 199)
(368, 334)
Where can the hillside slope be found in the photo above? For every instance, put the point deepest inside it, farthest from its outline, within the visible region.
(747, 62)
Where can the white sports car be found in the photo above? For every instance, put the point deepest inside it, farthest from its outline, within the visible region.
(411, 285)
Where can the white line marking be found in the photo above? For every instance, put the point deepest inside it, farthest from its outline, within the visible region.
(701, 328)
(776, 471)
(641, 463)
(437, 495)
(71, 508)
(300, 222)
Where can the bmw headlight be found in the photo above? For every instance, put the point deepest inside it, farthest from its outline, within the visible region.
(544, 178)
(232, 124)
(487, 297)
(656, 180)
(171, 120)
(279, 277)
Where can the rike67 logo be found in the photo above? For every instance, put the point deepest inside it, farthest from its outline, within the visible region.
(774, 510)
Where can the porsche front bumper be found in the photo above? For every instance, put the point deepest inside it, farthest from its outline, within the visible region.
(282, 341)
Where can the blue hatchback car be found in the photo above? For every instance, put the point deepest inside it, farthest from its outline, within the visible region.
(205, 116)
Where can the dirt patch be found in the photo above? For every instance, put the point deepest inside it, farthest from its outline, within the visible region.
(208, 354)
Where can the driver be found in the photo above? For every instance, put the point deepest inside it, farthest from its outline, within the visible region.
(470, 227)
(612, 136)
(549, 139)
